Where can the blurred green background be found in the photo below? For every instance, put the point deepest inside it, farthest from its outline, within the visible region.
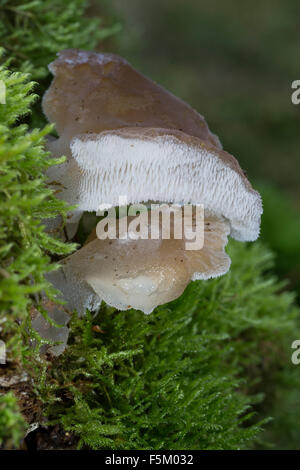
(234, 62)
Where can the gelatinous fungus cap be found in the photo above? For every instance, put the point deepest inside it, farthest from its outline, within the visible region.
(124, 135)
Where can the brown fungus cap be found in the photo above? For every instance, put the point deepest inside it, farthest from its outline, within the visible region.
(92, 93)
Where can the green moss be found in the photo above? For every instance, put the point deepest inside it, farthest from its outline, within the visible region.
(12, 423)
(188, 376)
(33, 32)
(25, 201)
